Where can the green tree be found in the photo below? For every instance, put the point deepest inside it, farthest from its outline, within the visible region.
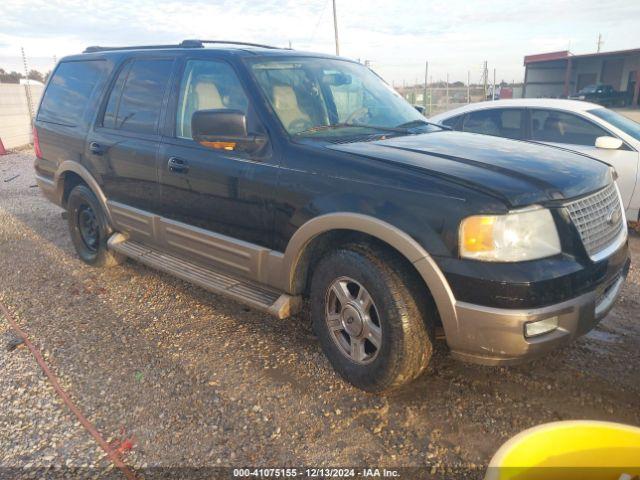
(36, 75)
(6, 77)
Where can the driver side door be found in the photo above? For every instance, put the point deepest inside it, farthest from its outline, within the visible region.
(209, 190)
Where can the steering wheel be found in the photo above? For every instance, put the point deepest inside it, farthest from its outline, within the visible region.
(357, 113)
(300, 125)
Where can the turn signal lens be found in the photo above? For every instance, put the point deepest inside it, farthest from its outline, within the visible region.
(220, 145)
(477, 234)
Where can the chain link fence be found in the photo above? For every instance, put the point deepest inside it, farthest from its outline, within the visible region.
(442, 98)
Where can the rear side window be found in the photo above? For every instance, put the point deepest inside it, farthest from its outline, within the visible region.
(558, 127)
(503, 122)
(69, 91)
(136, 98)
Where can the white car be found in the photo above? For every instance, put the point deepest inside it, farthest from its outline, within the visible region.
(575, 125)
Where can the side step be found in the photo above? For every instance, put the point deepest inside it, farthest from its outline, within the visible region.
(257, 296)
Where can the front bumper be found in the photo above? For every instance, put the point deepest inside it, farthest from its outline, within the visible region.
(496, 336)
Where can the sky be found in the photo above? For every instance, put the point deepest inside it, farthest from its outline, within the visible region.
(397, 37)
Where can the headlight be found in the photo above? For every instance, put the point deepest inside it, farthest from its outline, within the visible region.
(514, 237)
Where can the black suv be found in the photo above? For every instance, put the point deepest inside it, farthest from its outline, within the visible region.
(277, 177)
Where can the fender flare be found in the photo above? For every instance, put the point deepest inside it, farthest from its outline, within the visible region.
(396, 238)
(82, 172)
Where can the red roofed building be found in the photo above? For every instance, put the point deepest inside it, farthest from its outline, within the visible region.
(559, 74)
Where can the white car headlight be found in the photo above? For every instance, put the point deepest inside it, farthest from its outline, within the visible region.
(516, 236)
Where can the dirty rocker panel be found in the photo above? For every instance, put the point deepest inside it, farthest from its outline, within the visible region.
(201, 246)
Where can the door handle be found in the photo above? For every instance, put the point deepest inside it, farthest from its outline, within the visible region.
(178, 165)
(96, 148)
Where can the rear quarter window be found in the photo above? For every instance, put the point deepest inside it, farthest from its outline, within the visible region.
(67, 95)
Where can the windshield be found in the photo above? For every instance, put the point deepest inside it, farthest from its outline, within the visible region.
(335, 97)
(625, 124)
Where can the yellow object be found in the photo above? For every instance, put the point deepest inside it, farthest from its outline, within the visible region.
(477, 233)
(219, 145)
(580, 450)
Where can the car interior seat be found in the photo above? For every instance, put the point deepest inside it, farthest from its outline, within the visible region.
(553, 128)
(203, 95)
(286, 105)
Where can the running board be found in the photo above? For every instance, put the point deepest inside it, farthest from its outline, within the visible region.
(250, 293)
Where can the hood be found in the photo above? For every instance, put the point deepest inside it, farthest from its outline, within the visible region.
(520, 173)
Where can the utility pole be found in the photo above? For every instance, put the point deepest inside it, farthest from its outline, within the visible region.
(446, 91)
(335, 27)
(485, 80)
(468, 86)
(426, 73)
(493, 92)
(27, 85)
(600, 42)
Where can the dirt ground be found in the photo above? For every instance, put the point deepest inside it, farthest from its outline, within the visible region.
(199, 380)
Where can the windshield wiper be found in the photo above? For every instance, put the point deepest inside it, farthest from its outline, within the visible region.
(334, 126)
(417, 122)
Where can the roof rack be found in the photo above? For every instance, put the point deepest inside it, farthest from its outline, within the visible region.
(183, 44)
(231, 42)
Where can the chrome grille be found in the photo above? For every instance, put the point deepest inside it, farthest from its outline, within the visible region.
(598, 218)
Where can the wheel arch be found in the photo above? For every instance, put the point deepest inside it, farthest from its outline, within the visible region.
(295, 261)
(70, 171)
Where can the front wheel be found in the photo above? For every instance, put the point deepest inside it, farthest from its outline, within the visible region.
(366, 312)
(88, 228)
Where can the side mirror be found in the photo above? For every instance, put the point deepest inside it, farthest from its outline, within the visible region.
(419, 108)
(224, 129)
(608, 143)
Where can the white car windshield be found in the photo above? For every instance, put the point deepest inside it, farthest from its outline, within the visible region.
(625, 124)
(331, 97)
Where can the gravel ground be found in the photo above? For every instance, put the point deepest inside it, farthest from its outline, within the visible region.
(199, 380)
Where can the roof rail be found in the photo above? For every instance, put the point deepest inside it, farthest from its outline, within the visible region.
(94, 49)
(183, 44)
(229, 42)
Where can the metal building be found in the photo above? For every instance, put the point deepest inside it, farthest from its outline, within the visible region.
(559, 74)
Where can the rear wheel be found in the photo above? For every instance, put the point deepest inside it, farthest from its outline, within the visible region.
(88, 228)
(366, 312)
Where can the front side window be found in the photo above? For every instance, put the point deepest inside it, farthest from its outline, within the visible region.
(136, 99)
(558, 127)
(312, 95)
(68, 93)
(500, 122)
(207, 85)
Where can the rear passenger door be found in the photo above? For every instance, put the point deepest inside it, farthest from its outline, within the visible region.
(124, 143)
(499, 122)
(221, 191)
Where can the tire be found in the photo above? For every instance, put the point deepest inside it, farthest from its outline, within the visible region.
(397, 321)
(85, 217)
